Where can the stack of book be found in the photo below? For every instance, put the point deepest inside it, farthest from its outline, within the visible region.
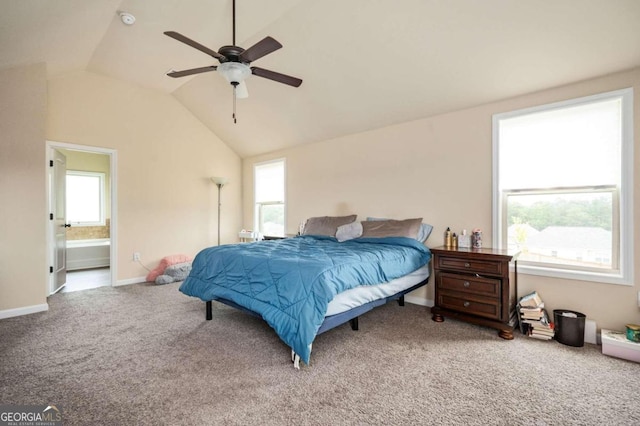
(534, 320)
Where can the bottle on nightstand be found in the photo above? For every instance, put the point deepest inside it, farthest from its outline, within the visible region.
(448, 238)
(464, 239)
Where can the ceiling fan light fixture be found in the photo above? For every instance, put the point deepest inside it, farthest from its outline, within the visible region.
(234, 62)
(234, 72)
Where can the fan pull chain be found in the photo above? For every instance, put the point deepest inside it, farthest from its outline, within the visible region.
(234, 103)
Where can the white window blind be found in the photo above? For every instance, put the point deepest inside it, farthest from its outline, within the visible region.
(269, 180)
(269, 187)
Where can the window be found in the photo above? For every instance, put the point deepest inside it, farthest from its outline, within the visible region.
(85, 198)
(562, 187)
(269, 197)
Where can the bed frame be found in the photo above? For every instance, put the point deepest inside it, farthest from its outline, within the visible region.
(331, 321)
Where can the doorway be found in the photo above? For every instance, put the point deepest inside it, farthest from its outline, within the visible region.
(91, 257)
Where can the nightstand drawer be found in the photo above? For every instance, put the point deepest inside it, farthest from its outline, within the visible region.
(470, 265)
(470, 305)
(487, 287)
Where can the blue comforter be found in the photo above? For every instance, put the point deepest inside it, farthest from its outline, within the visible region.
(290, 282)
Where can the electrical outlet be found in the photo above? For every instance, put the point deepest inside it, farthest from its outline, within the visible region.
(136, 256)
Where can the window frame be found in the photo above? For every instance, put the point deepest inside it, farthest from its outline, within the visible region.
(623, 275)
(258, 205)
(102, 189)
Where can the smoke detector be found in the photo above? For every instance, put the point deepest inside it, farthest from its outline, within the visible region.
(127, 18)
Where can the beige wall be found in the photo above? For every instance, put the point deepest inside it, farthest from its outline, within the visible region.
(440, 168)
(166, 202)
(23, 260)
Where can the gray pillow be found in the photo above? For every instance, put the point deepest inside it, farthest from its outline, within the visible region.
(391, 228)
(349, 231)
(423, 233)
(326, 225)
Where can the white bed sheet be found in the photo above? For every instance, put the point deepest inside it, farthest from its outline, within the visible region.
(368, 293)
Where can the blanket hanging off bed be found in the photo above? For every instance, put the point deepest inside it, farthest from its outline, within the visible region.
(290, 282)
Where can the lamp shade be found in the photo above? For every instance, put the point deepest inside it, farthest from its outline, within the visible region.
(219, 180)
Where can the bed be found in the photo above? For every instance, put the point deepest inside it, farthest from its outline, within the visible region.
(306, 285)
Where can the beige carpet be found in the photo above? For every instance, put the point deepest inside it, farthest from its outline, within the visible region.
(143, 354)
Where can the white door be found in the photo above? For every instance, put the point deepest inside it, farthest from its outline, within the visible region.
(59, 202)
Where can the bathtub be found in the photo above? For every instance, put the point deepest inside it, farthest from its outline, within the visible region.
(84, 254)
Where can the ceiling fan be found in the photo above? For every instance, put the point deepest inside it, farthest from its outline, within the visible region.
(234, 62)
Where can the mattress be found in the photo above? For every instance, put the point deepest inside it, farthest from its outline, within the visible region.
(358, 296)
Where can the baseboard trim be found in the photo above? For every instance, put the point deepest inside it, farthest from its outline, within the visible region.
(128, 281)
(16, 312)
(419, 301)
(89, 263)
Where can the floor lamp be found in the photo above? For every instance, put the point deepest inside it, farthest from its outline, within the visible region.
(220, 182)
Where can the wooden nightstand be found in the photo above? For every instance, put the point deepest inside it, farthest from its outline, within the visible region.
(473, 285)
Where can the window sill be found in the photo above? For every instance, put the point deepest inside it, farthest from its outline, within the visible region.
(602, 278)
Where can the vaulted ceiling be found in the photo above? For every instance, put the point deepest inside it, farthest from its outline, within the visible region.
(365, 63)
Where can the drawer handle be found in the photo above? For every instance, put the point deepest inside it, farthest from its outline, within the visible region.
(466, 284)
(467, 265)
(466, 304)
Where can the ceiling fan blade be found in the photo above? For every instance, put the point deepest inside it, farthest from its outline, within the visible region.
(260, 49)
(185, 73)
(194, 44)
(241, 90)
(276, 76)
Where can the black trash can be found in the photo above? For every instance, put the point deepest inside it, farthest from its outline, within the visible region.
(569, 327)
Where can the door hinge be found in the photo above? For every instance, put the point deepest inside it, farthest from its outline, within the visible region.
(50, 216)
(50, 163)
(51, 269)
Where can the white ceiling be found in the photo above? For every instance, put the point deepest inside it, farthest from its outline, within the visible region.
(365, 63)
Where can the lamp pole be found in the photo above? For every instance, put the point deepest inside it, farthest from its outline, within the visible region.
(219, 185)
(220, 182)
